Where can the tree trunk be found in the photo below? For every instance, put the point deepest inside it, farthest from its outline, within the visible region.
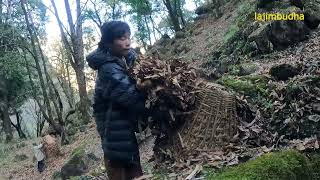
(173, 15)
(1, 11)
(65, 81)
(179, 10)
(50, 120)
(4, 109)
(149, 32)
(52, 89)
(21, 134)
(76, 49)
(155, 28)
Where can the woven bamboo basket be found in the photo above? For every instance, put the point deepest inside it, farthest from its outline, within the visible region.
(212, 125)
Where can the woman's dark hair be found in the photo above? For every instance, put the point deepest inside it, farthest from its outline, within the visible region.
(112, 30)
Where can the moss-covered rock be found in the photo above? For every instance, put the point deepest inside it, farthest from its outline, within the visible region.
(285, 165)
(247, 69)
(251, 85)
(283, 71)
(260, 38)
(312, 13)
(77, 164)
(314, 158)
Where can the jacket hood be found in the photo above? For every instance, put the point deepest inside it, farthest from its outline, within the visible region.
(99, 57)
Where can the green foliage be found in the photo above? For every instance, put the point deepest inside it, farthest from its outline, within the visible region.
(281, 165)
(231, 32)
(20, 157)
(83, 177)
(5, 150)
(21, 145)
(251, 85)
(78, 154)
(235, 38)
(160, 174)
(56, 175)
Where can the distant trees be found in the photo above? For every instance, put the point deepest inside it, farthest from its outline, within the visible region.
(72, 40)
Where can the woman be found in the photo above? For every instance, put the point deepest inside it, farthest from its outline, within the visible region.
(117, 101)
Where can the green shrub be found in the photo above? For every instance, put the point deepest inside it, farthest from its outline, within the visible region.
(251, 85)
(285, 165)
(20, 157)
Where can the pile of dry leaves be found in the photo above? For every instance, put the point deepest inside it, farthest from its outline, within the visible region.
(169, 85)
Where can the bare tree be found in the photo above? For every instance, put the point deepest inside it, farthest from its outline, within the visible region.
(173, 14)
(46, 110)
(17, 126)
(75, 52)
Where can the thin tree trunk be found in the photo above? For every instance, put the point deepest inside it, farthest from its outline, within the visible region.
(21, 134)
(69, 84)
(50, 120)
(1, 11)
(4, 109)
(181, 13)
(155, 28)
(42, 108)
(149, 32)
(65, 82)
(76, 49)
(173, 16)
(52, 89)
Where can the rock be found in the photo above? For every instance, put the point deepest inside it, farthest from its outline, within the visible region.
(202, 16)
(311, 10)
(263, 3)
(180, 35)
(283, 72)
(312, 13)
(298, 3)
(278, 35)
(247, 69)
(286, 33)
(163, 40)
(205, 9)
(261, 38)
(179, 48)
(77, 165)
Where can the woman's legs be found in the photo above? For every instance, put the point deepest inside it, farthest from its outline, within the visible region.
(134, 171)
(118, 171)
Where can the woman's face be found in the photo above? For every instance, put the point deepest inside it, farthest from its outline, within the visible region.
(121, 46)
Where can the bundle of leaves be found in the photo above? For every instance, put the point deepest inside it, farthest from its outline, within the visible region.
(169, 85)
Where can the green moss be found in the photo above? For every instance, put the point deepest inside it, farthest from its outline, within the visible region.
(285, 165)
(231, 32)
(314, 158)
(56, 175)
(78, 154)
(160, 174)
(83, 177)
(245, 15)
(251, 85)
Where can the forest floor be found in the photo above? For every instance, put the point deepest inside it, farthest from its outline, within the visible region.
(16, 168)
